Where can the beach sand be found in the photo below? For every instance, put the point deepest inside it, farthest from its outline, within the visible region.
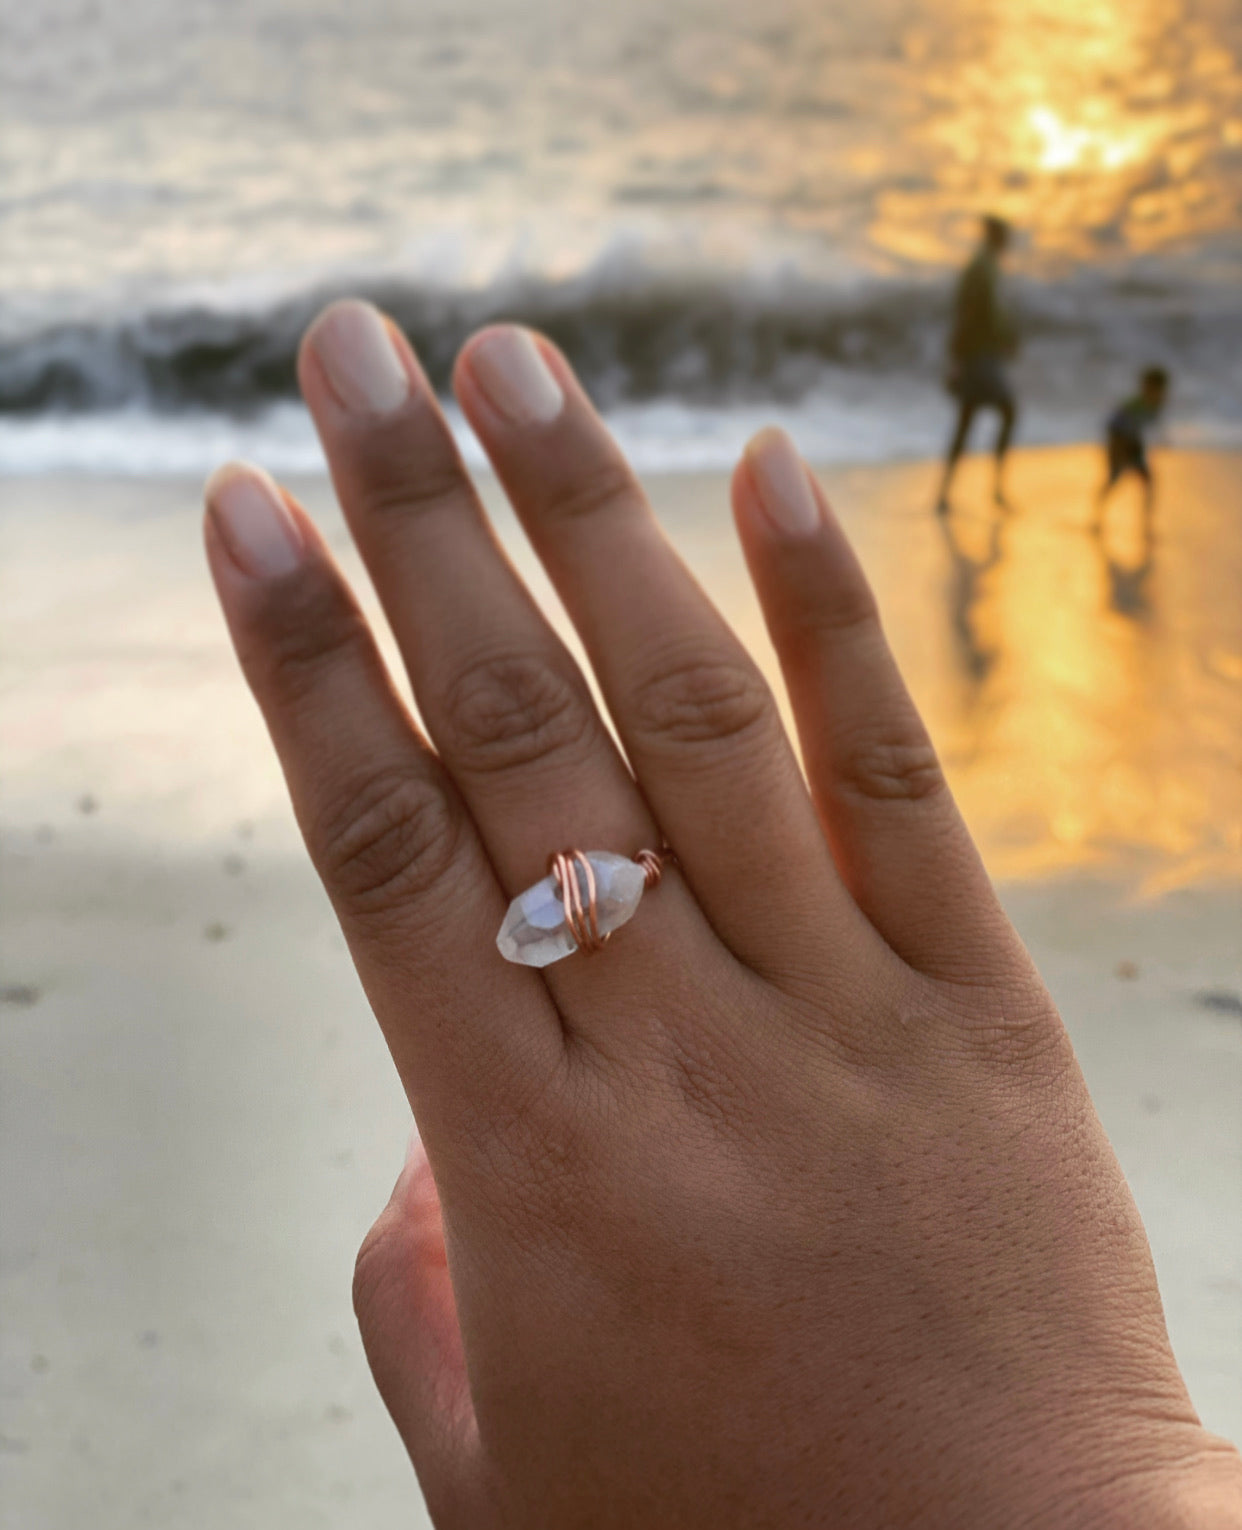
(199, 1120)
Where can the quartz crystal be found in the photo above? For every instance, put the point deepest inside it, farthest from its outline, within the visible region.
(534, 931)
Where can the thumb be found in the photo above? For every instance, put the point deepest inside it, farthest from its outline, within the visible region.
(403, 1299)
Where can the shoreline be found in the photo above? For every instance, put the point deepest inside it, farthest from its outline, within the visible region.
(1085, 698)
(69, 449)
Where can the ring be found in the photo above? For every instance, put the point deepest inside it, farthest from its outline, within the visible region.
(586, 895)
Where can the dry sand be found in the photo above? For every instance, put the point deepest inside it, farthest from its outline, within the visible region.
(199, 1119)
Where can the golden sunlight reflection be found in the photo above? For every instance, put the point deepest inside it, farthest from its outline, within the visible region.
(1090, 124)
(1085, 696)
(1078, 722)
(1067, 145)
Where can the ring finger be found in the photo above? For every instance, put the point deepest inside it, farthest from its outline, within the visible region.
(697, 720)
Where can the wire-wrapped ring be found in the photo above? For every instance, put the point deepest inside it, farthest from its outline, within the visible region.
(576, 887)
(582, 918)
(652, 862)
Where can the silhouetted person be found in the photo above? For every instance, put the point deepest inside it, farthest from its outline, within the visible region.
(1127, 443)
(982, 340)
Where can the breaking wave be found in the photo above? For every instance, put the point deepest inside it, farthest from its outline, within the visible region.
(666, 349)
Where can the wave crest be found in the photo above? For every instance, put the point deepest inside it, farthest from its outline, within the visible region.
(635, 334)
(703, 339)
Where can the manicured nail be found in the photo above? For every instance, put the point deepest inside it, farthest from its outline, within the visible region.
(353, 342)
(253, 520)
(510, 369)
(783, 482)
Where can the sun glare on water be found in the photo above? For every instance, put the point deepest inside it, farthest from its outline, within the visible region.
(1094, 125)
(1069, 146)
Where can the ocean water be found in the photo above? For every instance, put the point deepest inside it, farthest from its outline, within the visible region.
(725, 211)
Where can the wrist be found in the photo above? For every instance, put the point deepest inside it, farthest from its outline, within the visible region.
(1212, 1498)
(1204, 1493)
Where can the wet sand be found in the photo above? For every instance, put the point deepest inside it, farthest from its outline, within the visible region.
(199, 1120)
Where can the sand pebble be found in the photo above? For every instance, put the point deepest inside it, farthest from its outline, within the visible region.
(22, 995)
(1223, 1000)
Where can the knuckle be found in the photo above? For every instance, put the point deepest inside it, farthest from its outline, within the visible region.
(302, 628)
(391, 845)
(1016, 1025)
(710, 1085)
(852, 613)
(375, 1269)
(604, 487)
(693, 700)
(889, 769)
(536, 1184)
(405, 464)
(399, 489)
(513, 710)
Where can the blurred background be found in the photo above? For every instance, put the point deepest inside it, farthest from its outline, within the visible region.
(727, 214)
(717, 208)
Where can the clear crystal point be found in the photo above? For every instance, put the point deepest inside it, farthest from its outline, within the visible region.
(534, 931)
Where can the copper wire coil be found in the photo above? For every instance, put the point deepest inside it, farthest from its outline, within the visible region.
(582, 918)
(652, 862)
(572, 870)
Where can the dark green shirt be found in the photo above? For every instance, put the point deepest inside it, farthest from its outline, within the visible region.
(1131, 419)
(981, 327)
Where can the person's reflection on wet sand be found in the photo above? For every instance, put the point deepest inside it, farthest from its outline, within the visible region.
(967, 574)
(1129, 591)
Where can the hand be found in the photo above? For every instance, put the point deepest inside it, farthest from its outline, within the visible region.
(789, 1208)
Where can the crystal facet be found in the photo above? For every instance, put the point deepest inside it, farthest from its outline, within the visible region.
(534, 931)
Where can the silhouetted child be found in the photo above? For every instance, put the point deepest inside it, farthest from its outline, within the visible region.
(1127, 442)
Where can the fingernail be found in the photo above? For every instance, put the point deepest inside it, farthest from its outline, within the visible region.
(253, 520)
(353, 342)
(510, 369)
(414, 1150)
(783, 482)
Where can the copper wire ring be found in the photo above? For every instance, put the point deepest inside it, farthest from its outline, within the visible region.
(573, 871)
(652, 862)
